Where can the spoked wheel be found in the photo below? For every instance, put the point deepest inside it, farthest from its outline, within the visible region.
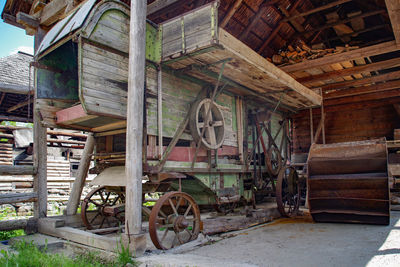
(213, 134)
(274, 161)
(288, 192)
(108, 206)
(174, 220)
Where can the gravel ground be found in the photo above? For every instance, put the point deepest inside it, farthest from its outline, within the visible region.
(293, 242)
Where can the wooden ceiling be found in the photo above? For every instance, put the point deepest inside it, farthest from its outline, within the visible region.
(370, 27)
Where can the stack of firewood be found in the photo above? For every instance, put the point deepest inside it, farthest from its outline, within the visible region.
(303, 52)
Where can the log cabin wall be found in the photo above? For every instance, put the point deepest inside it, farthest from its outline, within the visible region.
(350, 122)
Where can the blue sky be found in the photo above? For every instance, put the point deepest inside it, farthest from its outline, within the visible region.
(13, 38)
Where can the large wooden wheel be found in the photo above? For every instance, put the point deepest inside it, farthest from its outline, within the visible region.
(174, 220)
(288, 190)
(108, 206)
(213, 134)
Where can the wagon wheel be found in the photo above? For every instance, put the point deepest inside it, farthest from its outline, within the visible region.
(99, 199)
(215, 128)
(174, 220)
(274, 161)
(288, 192)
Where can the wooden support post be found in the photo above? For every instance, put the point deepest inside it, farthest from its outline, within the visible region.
(39, 152)
(322, 115)
(159, 112)
(311, 127)
(239, 124)
(77, 187)
(134, 236)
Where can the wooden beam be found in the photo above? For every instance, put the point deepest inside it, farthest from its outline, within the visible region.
(345, 56)
(320, 127)
(316, 10)
(393, 8)
(339, 22)
(363, 97)
(364, 90)
(15, 118)
(63, 133)
(11, 198)
(134, 134)
(277, 28)
(395, 62)
(39, 150)
(3, 95)
(230, 13)
(369, 29)
(17, 170)
(368, 80)
(20, 105)
(61, 141)
(52, 12)
(15, 89)
(30, 23)
(245, 53)
(158, 5)
(79, 183)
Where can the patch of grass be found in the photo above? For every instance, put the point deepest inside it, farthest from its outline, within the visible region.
(28, 255)
(6, 235)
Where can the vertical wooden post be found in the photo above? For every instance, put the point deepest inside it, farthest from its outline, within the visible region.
(159, 112)
(323, 116)
(311, 127)
(39, 151)
(77, 187)
(134, 133)
(239, 124)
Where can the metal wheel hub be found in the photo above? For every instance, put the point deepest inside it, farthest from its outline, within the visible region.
(180, 223)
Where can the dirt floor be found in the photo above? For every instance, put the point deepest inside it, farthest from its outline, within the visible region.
(292, 242)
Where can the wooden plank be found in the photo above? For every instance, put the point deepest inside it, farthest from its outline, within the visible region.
(52, 12)
(345, 56)
(316, 10)
(246, 54)
(364, 90)
(386, 64)
(78, 236)
(393, 8)
(368, 80)
(159, 5)
(18, 198)
(235, 6)
(17, 170)
(77, 187)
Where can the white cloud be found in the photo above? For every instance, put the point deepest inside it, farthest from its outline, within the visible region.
(26, 49)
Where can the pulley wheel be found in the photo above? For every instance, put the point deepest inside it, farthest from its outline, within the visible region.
(274, 161)
(174, 220)
(214, 132)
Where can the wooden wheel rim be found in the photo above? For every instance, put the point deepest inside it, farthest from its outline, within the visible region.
(155, 219)
(214, 134)
(281, 189)
(85, 205)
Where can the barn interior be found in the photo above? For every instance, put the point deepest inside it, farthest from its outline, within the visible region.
(303, 75)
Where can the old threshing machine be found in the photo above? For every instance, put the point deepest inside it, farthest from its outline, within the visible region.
(215, 126)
